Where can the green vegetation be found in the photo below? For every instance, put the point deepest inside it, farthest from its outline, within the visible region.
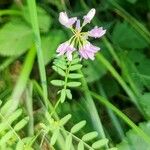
(50, 103)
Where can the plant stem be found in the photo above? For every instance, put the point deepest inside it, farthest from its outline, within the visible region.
(37, 39)
(102, 60)
(114, 119)
(92, 108)
(29, 106)
(10, 12)
(6, 63)
(23, 78)
(111, 50)
(139, 131)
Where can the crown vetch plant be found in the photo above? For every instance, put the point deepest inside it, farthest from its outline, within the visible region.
(79, 41)
(68, 65)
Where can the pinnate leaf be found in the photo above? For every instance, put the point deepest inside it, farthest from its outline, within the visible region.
(78, 126)
(63, 95)
(100, 143)
(75, 67)
(68, 93)
(75, 75)
(54, 136)
(58, 82)
(90, 136)
(65, 119)
(73, 84)
(80, 146)
(59, 70)
(68, 142)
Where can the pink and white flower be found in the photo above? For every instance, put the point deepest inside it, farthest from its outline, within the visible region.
(80, 39)
(66, 48)
(64, 20)
(97, 32)
(88, 51)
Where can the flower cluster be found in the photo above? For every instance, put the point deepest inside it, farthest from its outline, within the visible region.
(79, 39)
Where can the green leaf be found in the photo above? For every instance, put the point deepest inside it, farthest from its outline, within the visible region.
(114, 148)
(73, 84)
(44, 20)
(75, 76)
(6, 137)
(134, 141)
(54, 136)
(24, 144)
(75, 61)
(100, 143)
(60, 65)
(126, 37)
(75, 67)
(58, 82)
(62, 95)
(78, 126)
(80, 146)
(59, 71)
(90, 136)
(50, 44)
(65, 119)
(132, 1)
(15, 39)
(14, 116)
(21, 124)
(5, 107)
(93, 70)
(145, 103)
(68, 142)
(68, 93)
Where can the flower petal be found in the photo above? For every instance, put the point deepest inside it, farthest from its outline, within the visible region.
(64, 20)
(62, 48)
(88, 51)
(97, 32)
(87, 18)
(92, 48)
(78, 25)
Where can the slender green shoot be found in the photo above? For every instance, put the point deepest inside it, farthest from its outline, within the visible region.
(37, 40)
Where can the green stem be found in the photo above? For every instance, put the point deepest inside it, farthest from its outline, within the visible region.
(65, 86)
(10, 12)
(111, 50)
(29, 106)
(23, 78)
(139, 131)
(37, 39)
(114, 119)
(92, 108)
(6, 63)
(102, 60)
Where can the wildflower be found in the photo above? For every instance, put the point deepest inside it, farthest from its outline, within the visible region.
(79, 41)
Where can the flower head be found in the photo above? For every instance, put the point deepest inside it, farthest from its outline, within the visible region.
(79, 41)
